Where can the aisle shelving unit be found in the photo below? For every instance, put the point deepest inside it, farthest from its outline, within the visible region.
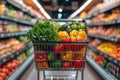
(9, 35)
(115, 22)
(112, 39)
(20, 8)
(103, 11)
(108, 57)
(22, 68)
(23, 22)
(100, 70)
(14, 54)
(103, 73)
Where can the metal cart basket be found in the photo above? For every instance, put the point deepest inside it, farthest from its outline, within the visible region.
(63, 59)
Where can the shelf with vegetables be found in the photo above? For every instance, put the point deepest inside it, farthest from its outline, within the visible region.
(20, 7)
(103, 8)
(110, 50)
(109, 33)
(110, 18)
(10, 48)
(61, 55)
(14, 67)
(107, 69)
(11, 29)
(7, 12)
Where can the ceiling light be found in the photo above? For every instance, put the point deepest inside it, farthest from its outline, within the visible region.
(60, 10)
(66, 0)
(41, 9)
(80, 9)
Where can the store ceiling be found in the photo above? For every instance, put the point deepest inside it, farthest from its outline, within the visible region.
(61, 8)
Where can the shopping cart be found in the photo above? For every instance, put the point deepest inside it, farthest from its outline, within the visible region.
(63, 59)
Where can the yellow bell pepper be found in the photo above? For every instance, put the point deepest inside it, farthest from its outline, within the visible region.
(68, 56)
(62, 34)
(82, 34)
(74, 33)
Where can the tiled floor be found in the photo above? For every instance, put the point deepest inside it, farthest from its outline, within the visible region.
(31, 74)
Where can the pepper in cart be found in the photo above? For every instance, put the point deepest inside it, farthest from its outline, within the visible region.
(40, 57)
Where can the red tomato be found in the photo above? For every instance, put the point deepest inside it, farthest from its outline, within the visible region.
(67, 65)
(78, 38)
(14, 65)
(59, 49)
(1, 78)
(4, 75)
(78, 63)
(5, 70)
(67, 39)
(9, 66)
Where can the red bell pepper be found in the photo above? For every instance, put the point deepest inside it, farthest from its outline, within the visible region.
(78, 63)
(40, 56)
(59, 49)
(67, 65)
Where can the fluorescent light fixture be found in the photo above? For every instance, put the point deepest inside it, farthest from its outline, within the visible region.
(66, 0)
(41, 9)
(80, 9)
(60, 10)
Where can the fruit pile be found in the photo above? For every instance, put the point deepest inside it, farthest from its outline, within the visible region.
(112, 31)
(9, 46)
(7, 69)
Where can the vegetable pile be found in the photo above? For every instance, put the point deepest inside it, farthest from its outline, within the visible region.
(59, 55)
(44, 31)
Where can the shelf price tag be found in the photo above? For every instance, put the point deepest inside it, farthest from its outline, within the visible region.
(4, 60)
(110, 58)
(115, 61)
(17, 53)
(11, 55)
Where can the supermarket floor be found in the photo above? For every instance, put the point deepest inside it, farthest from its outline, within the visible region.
(31, 74)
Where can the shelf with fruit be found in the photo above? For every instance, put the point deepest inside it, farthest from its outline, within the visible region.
(16, 20)
(13, 66)
(14, 4)
(115, 22)
(11, 49)
(109, 56)
(103, 66)
(104, 63)
(63, 53)
(102, 8)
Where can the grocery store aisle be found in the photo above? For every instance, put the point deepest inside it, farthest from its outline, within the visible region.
(31, 74)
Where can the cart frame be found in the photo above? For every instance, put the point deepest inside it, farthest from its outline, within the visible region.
(53, 42)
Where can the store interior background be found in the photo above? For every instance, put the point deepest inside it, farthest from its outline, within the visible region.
(103, 21)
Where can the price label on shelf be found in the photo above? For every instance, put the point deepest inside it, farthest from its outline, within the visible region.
(11, 55)
(110, 58)
(17, 53)
(2, 35)
(4, 60)
(115, 61)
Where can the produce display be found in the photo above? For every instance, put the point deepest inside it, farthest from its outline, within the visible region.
(7, 69)
(105, 64)
(110, 48)
(110, 31)
(59, 55)
(9, 46)
(8, 27)
(105, 5)
(105, 17)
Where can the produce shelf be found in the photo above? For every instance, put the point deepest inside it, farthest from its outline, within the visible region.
(21, 69)
(9, 35)
(111, 59)
(103, 11)
(101, 72)
(14, 54)
(20, 8)
(112, 39)
(24, 22)
(115, 22)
